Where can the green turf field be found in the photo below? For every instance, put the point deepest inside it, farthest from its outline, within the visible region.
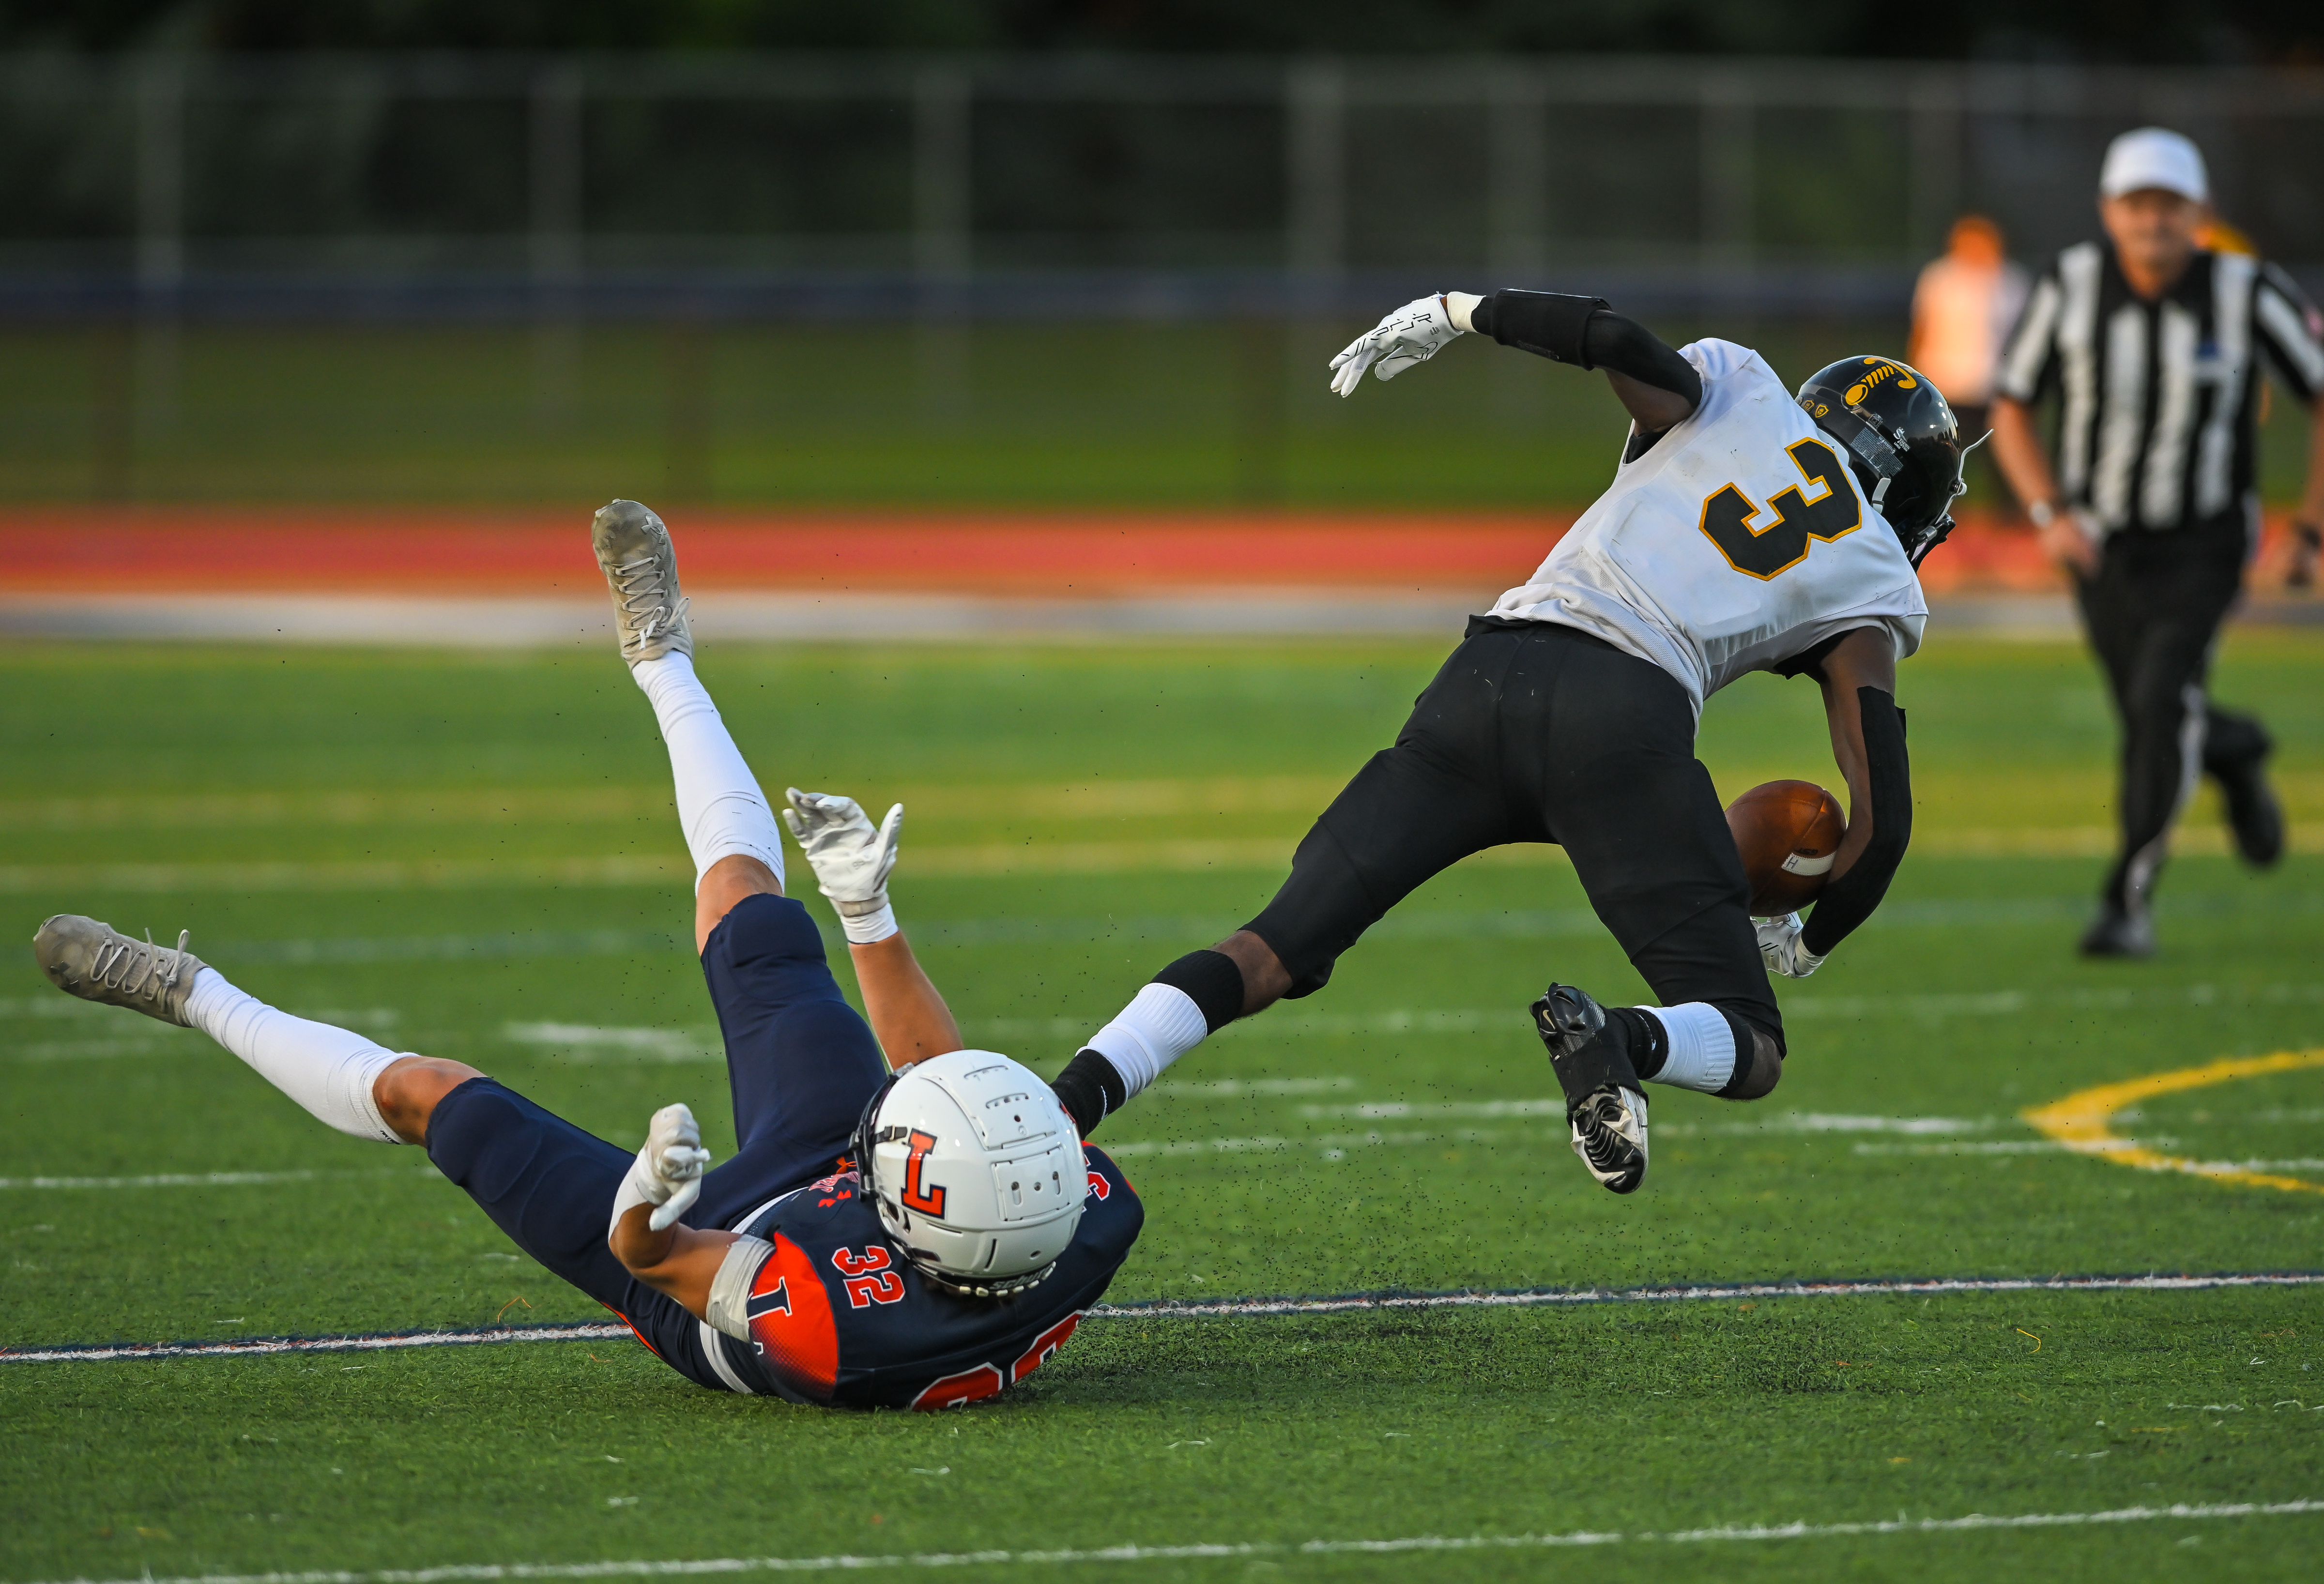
(1080, 415)
(474, 857)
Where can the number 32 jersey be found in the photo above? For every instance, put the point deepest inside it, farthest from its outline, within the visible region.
(838, 1316)
(1737, 541)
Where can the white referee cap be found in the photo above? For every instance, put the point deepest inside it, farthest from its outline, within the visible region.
(2155, 156)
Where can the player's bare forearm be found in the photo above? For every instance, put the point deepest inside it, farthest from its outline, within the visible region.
(2307, 559)
(677, 1260)
(908, 1015)
(1864, 658)
(2017, 449)
(2311, 499)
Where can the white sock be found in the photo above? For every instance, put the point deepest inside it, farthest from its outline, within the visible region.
(1159, 1027)
(329, 1071)
(720, 807)
(1701, 1046)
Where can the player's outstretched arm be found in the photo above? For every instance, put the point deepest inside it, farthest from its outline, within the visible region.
(852, 860)
(1867, 742)
(1657, 386)
(644, 1233)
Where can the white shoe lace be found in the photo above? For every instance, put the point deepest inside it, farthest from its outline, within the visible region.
(120, 958)
(645, 602)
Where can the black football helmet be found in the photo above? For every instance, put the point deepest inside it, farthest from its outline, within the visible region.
(1902, 439)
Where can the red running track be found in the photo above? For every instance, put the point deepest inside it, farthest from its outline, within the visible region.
(483, 550)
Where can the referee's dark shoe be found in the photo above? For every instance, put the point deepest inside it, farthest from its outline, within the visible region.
(2254, 814)
(1604, 1104)
(2114, 933)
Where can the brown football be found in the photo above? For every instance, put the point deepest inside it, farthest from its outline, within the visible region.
(1786, 831)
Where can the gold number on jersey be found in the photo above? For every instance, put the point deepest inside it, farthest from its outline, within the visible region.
(1783, 544)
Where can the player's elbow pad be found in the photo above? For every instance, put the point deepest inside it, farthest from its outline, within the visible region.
(1549, 323)
(1849, 901)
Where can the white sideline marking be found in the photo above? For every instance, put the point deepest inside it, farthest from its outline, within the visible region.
(586, 1042)
(1238, 1309)
(212, 1179)
(395, 1342)
(851, 1562)
(1334, 1143)
(1450, 1021)
(1238, 1088)
(1787, 1122)
(1229, 1308)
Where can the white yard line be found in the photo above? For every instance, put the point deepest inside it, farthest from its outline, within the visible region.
(2178, 1512)
(584, 1042)
(1233, 1308)
(1237, 1309)
(212, 1179)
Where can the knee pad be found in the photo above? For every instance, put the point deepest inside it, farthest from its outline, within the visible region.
(1745, 1025)
(1212, 980)
(1748, 1034)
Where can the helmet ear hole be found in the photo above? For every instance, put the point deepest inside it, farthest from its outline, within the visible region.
(1900, 441)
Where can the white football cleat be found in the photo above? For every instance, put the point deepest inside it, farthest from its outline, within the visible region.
(640, 567)
(97, 963)
(1610, 1134)
(1609, 1118)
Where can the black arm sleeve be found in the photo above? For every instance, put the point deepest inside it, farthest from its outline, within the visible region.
(1849, 901)
(1584, 332)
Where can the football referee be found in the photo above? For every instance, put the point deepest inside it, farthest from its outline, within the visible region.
(2155, 348)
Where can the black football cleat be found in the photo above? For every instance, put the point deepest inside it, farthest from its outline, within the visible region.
(1605, 1107)
(2116, 934)
(2254, 814)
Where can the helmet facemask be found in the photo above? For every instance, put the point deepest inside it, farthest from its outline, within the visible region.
(1910, 478)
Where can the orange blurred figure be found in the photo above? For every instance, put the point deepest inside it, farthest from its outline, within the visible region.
(1962, 311)
(2216, 235)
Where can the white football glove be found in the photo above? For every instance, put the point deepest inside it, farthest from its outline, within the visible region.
(1412, 334)
(1779, 945)
(668, 1172)
(851, 860)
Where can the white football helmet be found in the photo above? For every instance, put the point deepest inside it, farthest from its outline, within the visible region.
(976, 1171)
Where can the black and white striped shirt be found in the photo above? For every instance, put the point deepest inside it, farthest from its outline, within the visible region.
(2161, 399)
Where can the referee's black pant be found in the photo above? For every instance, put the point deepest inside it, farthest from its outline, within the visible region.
(2152, 611)
(1536, 733)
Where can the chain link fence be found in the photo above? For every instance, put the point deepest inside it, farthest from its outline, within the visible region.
(802, 186)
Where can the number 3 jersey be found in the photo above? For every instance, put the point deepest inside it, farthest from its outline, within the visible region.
(1738, 541)
(837, 1316)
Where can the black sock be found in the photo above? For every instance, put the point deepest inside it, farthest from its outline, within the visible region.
(1647, 1041)
(1090, 1090)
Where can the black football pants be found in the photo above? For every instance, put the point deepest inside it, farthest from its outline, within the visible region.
(2152, 611)
(1535, 732)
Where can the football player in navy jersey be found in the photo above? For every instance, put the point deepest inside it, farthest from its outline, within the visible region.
(920, 1230)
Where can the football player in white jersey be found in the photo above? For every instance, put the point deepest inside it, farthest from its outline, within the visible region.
(1746, 528)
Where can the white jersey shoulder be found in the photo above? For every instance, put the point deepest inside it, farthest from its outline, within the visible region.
(1737, 542)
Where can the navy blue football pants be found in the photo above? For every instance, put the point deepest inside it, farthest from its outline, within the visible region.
(802, 1066)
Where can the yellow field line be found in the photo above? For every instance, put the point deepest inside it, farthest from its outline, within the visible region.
(1185, 855)
(2083, 1121)
(1191, 797)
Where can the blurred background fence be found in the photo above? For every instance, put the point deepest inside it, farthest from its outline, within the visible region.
(491, 275)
